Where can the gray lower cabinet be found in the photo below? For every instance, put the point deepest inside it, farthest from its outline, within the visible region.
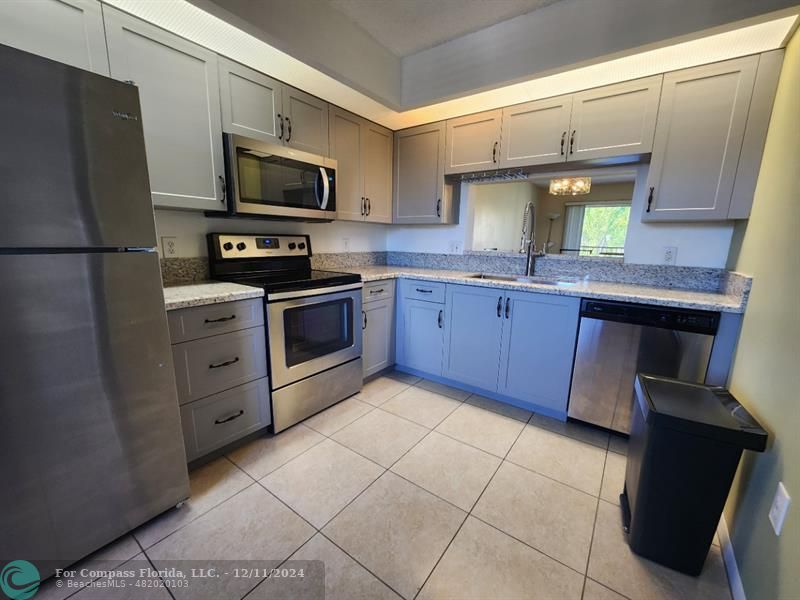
(69, 31)
(378, 326)
(420, 326)
(219, 353)
(517, 346)
(223, 418)
(179, 95)
(539, 336)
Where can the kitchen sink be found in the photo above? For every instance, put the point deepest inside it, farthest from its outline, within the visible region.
(523, 279)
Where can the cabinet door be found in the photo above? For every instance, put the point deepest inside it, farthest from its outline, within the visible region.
(699, 133)
(538, 349)
(419, 174)
(422, 336)
(378, 330)
(535, 133)
(473, 142)
(614, 120)
(179, 94)
(346, 147)
(306, 119)
(472, 333)
(250, 102)
(69, 31)
(376, 165)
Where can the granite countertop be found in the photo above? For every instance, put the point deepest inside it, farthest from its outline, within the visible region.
(198, 294)
(209, 292)
(600, 290)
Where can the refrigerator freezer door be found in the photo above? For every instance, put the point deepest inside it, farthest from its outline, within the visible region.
(73, 171)
(90, 436)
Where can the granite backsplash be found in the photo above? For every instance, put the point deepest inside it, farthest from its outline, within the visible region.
(187, 270)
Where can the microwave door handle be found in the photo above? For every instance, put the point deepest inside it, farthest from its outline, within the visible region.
(326, 189)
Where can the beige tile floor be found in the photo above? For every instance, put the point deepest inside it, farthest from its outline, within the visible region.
(416, 490)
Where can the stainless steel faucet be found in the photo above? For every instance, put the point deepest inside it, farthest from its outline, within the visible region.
(528, 243)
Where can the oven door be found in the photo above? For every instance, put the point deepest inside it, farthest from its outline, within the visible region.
(268, 179)
(311, 331)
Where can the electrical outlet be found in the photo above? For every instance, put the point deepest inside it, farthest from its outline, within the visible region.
(169, 246)
(670, 255)
(779, 508)
(455, 247)
(345, 244)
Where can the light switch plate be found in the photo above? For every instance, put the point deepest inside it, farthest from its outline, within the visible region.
(779, 508)
(670, 255)
(345, 244)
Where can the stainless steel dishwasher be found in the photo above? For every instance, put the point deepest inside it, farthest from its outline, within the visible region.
(616, 340)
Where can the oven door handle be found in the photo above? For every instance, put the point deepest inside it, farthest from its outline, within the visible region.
(313, 292)
(326, 189)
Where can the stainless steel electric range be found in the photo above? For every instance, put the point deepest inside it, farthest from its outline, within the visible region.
(313, 340)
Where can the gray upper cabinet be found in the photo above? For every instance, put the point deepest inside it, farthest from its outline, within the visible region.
(473, 142)
(69, 31)
(257, 106)
(699, 134)
(251, 102)
(419, 190)
(306, 119)
(363, 152)
(179, 94)
(345, 142)
(614, 120)
(535, 133)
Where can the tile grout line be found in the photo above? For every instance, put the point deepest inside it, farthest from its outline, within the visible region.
(469, 513)
(594, 526)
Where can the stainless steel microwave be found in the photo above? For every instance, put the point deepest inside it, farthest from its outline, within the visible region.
(270, 180)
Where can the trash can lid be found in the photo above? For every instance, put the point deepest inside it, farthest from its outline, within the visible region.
(704, 410)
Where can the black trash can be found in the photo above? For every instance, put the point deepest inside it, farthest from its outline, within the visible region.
(685, 443)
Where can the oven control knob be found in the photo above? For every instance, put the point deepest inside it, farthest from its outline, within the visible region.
(302, 245)
(241, 246)
(227, 246)
(292, 245)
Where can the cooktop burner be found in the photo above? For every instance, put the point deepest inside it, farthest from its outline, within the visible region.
(276, 263)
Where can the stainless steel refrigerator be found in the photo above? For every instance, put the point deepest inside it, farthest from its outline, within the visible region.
(90, 437)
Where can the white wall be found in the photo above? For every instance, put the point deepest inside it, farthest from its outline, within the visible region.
(699, 244)
(190, 229)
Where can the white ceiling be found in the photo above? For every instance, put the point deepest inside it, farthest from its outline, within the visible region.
(408, 26)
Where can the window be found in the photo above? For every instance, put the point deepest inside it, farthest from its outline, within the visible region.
(596, 228)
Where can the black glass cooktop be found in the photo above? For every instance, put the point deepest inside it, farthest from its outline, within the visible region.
(287, 281)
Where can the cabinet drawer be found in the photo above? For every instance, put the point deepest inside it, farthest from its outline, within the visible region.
(429, 291)
(377, 290)
(220, 419)
(203, 321)
(210, 365)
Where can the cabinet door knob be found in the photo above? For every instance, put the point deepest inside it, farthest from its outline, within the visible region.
(288, 129)
(439, 207)
(508, 307)
(363, 206)
(439, 319)
(572, 142)
(499, 306)
(364, 326)
(494, 152)
(563, 139)
(650, 199)
(369, 207)
(224, 188)
(280, 120)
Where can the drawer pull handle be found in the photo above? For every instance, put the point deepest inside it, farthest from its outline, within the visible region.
(421, 291)
(229, 419)
(380, 291)
(221, 319)
(227, 363)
